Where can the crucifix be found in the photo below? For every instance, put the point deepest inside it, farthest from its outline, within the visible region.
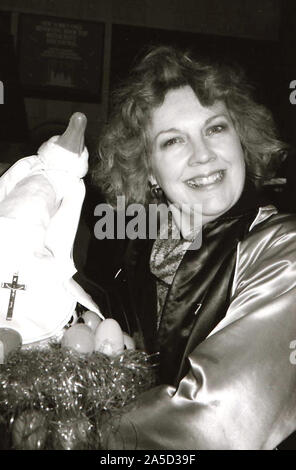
(13, 286)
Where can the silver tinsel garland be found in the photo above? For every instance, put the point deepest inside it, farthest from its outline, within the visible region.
(55, 398)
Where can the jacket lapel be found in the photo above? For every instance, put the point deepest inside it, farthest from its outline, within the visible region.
(142, 293)
(199, 296)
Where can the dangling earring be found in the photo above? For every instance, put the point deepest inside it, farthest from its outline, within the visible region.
(156, 191)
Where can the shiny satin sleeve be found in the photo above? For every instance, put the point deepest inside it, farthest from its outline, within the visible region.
(240, 390)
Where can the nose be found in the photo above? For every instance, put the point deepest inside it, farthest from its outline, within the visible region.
(201, 152)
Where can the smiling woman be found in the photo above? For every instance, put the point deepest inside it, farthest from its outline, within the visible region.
(189, 135)
(196, 153)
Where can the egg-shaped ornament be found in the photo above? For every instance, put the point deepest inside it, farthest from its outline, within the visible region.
(10, 340)
(129, 343)
(80, 338)
(72, 433)
(91, 319)
(29, 431)
(109, 338)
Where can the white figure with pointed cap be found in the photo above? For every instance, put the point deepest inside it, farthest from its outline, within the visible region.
(40, 203)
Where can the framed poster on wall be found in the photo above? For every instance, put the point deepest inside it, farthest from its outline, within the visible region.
(60, 58)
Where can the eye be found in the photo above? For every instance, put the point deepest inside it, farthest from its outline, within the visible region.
(172, 141)
(216, 129)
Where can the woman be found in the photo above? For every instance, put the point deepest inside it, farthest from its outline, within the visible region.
(222, 316)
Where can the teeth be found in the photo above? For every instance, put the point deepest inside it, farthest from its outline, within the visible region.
(205, 180)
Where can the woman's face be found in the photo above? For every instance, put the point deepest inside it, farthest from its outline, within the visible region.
(196, 156)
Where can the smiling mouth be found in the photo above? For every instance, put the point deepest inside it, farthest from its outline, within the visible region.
(204, 181)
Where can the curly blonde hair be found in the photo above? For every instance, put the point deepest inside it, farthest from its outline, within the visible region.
(123, 166)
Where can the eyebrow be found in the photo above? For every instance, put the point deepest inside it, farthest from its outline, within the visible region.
(207, 121)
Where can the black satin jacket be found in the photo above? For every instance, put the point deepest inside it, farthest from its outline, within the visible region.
(227, 377)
